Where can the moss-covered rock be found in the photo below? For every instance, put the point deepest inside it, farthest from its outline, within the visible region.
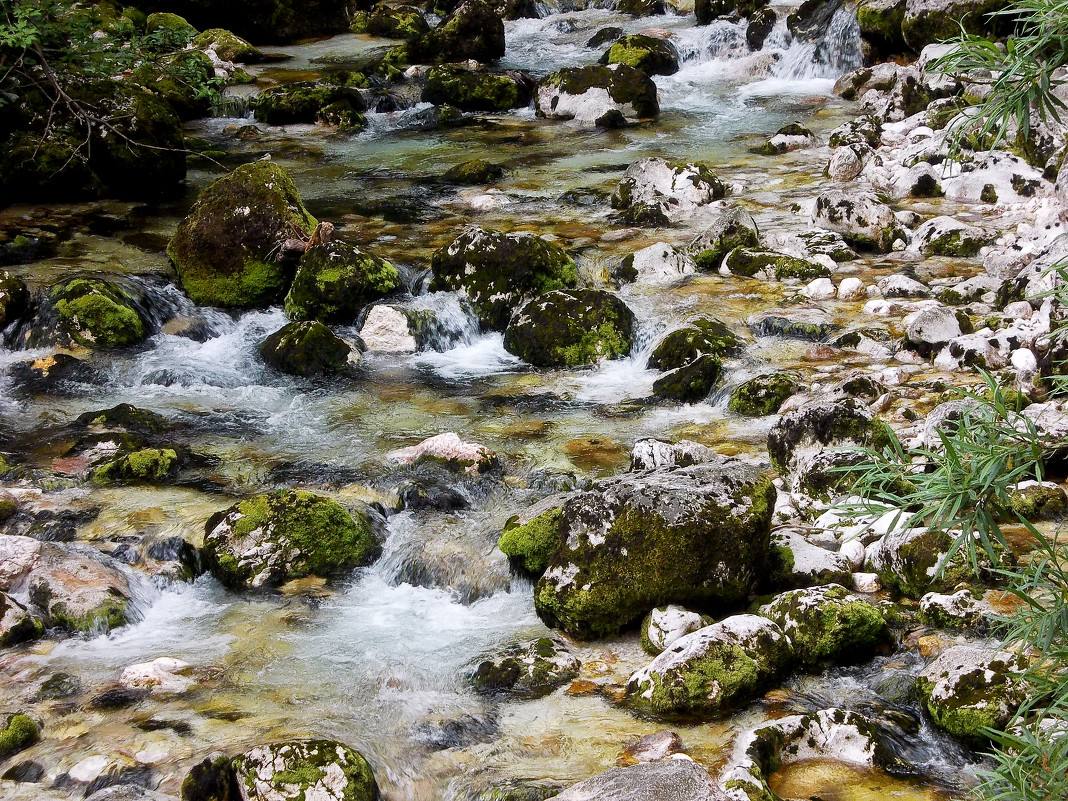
(958, 610)
(655, 191)
(763, 394)
(307, 102)
(665, 624)
(788, 138)
(19, 733)
(570, 327)
(692, 382)
(694, 535)
(14, 298)
(968, 689)
(734, 228)
(474, 172)
(225, 250)
(530, 544)
(308, 349)
(185, 80)
(473, 90)
(808, 324)
(147, 465)
(299, 769)
(269, 539)
(699, 337)
(403, 22)
(167, 32)
(715, 669)
(499, 271)
(828, 625)
(532, 670)
(931, 21)
(650, 55)
(227, 46)
(881, 25)
(473, 31)
(946, 236)
(910, 562)
(709, 10)
(88, 312)
(17, 623)
(606, 96)
(861, 218)
(743, 261)
(1039, 501)
(278, 21)
(336, 280)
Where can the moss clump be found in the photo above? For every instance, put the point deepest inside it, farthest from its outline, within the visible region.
(225, 250)
(763, 394)
(185, 80)
(700, 336)
(306, 349)
(296, 769)
(692, 382)
(470, 90)
(108, 615)
(19, 734)
(91, 313)
(743, 261)
(148, 465)
(287, 534)
(568, 328)
(476, 171)
(404, 22)
(1038, 502)
(336, 280)
(531, 544)
(305, 102)
(227, 46)
(646, 53)
(880, 24)
(626, 86)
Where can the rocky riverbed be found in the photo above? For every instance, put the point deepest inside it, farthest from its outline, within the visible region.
(469, 425)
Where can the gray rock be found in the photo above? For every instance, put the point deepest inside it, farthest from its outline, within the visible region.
(655, 191)
(674, 779)
(653, 454)
(665, 624)
(860, 217)
(902, 286)
(929, 330)
(606, 96)
(320, 769)
(128, 792)
(968, 688)
(796, 562)
(946, 236)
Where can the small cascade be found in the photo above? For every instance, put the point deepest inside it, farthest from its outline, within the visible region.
(442, 321)
(829, 53)
(232, 106)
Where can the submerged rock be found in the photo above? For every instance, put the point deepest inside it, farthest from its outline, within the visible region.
(654, 191)
(499, 271)
(715, 669)
(89, 312)
(451, 452)
(676, 779)
(286, 534)
(968, 689)
(148, 465)
(605, 96)
(226, 250)
(307, 349)
(531, 671)
(304, 769)
(569, 328)
(474, 172)
(695, 535)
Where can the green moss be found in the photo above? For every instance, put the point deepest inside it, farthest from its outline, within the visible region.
(167, 32)
(646, 53)
(476, 171)
(958, 243)
(227, 46)
(306, 102)
(305, 764)
(335, 280)
(626, 85)
(306, 349)
(531, 544)
(471, 90)
(1038, 502)
(185, 80)
(747, 262)
(735, 235)
(110, 614)
(150, 465)
(96, 314)
(698, 337)
(692, 382)
(763, 394)
(19, 734)
(568, 328)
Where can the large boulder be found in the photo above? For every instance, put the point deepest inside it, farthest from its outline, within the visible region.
(654, 191)
(499, 271)
(749, 262)
(861, 218)
(304, 769)
(933, 21)
(693, 535)
(699, 337)
(606, 96)
(405, 22)
(665, 624)
(227, 46)
(308, 349)
(828, 624)
(910, 561)
(269, 539)
(715, 669)
(226, 249)
(473, 90)
(90, 313)
(570, 327)
(690, 383)
(675, 779)
(880, 25)
(650, 55)
(335, 281)
(659, 263)
(307, 102)
(473, 31)
(531, 670)
(967, 689)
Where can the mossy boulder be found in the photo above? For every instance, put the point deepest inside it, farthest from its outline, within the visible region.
(967, 689)
(665, 624)
(864, 221)
(167, 32)
(308, 349)
(708, 11)
(336, 280)
(932, 21)
(910, 561)
(881, 25)
(715, 669)
(646, 53)
(88, 312)
(787, 139)
(763, 394)
(307, 102)
(17, 623)
(810, 324)
(499, 271)
(14, 298)
(185, 80)
(473, 90)
(694, 535)
(530, 543)
(474, 172)
(473, 31)
(269, 539)
(946, 236)
(699, 337)
(1038, 501)
(734, 228)
(828, 625)
(299, 769)
(227, 46)
(570, 327)
(654, 191)
(226, 249)
(531, 670)
(146, 465)
(747, 262)
(606, 96)
(19, 733)
(403, 22)
(692, 382)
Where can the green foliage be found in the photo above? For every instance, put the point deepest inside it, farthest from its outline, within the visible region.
(1020, 73)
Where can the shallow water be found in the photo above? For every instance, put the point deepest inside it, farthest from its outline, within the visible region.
(380, 660)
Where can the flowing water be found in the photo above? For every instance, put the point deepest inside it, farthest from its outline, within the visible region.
(380, 660)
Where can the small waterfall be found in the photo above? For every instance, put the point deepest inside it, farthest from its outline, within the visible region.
(824, 53)
(232, 106)
(442, 321)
